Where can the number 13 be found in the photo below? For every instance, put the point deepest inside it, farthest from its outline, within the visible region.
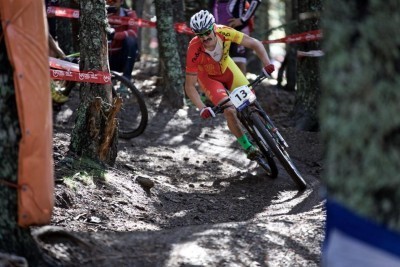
(243, 93)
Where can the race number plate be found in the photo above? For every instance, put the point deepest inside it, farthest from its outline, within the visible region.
(241, 97)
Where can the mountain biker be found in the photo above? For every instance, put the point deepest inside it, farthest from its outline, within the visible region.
(208, 63)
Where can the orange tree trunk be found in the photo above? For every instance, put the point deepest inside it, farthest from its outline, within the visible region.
(13, 239)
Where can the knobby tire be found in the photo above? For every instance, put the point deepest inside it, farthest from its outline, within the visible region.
(133, 116)
(283, 159)
(272, 172)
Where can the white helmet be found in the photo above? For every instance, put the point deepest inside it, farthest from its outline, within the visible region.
(201, 21)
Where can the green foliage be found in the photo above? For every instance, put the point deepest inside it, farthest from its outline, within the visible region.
(77, 179)
(84, 171)
(360, 107)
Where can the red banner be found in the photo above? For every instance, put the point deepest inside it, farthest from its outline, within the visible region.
(65, 70)
(297, 38)
(86, 76)
(181, 27)
(133, 22)
(54, 11)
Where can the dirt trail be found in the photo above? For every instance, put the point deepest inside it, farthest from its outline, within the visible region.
(209, 206)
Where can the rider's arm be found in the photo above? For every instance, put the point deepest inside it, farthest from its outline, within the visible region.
(258, 47)
(191, 91)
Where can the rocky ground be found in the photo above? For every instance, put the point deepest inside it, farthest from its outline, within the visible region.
(204, 203)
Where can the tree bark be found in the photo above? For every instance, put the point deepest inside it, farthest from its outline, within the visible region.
(183, 39)
(92, 126)
(13, 239)
(169, 56)
(360, 107)
(308, 81)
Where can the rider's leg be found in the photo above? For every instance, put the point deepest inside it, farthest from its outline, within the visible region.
(234, 126)
(233, 122)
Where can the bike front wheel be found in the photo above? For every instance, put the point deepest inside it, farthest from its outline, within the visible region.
(279, 151)
(266, 161)
(133, 116)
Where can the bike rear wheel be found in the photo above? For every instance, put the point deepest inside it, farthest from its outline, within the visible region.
(279, 151)
(133, 116)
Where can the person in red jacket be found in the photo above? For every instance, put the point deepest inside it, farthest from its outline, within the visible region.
(124, 39)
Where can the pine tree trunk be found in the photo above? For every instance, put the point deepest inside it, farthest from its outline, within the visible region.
(360, 107)
(183, 39)
(169, 56)
(90, 135)
(13, 239)
(308, 81)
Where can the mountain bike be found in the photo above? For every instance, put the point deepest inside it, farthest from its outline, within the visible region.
(133, 115)
(261, 131)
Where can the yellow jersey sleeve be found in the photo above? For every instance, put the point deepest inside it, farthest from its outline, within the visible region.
(230, 34)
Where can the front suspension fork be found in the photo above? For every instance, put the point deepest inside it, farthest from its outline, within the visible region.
(269, 125)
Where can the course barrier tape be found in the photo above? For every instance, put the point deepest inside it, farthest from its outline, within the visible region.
(68, 71)
(297, 38)
(63, 12)
(180, 27)
(133, 22)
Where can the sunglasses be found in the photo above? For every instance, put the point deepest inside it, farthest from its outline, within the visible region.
(206, 33)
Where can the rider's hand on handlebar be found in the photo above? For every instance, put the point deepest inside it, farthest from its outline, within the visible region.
(206, 113)
(267, 70)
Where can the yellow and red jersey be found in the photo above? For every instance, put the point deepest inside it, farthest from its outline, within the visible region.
(197, 60)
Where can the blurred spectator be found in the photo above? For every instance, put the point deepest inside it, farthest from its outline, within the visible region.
(237, 14)
(124, 41)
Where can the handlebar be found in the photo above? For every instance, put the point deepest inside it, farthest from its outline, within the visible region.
(258, 80)
(221, 106)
